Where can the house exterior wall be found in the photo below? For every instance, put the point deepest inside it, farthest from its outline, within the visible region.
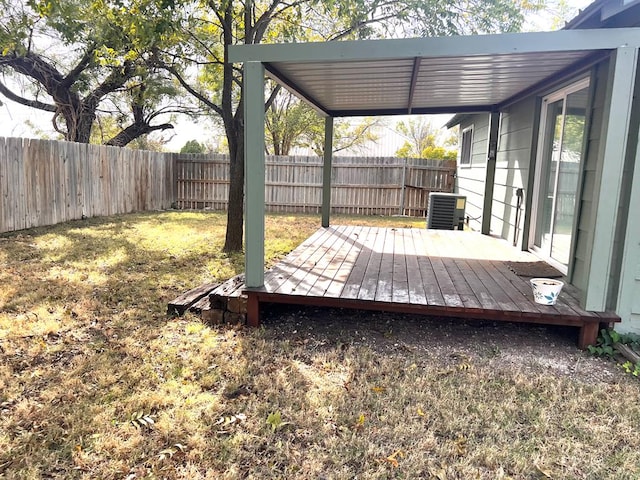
(629, 296)
(512, 167)
(470, 181)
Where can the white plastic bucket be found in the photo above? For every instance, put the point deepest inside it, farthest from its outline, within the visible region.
(546, 290)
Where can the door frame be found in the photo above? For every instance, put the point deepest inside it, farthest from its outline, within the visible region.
(560, 93)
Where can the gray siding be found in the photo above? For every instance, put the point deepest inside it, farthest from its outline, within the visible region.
(512, 166)
(588, 202)
(471, 179)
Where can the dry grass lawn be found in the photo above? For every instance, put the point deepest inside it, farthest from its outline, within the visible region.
(96, 382)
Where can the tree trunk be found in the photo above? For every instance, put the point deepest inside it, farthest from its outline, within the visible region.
(235, 210)
(234, 130)
(84, 125)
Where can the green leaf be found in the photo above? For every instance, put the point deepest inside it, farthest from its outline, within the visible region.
(275, 420)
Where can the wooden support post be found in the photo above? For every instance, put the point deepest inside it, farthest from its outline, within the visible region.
(403, 187)
(588, 334)
(326, 171)
(253, 310)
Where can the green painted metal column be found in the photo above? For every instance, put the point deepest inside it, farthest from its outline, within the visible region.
(254, 173)
(609, 183)
(628, 305)
(326, 171)
(492, 151)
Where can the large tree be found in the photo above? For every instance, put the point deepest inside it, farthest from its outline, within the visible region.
(291, 123)
(77, 59)
(424, 140)
(230, 22)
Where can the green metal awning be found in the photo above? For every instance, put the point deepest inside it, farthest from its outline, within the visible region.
(429, 75)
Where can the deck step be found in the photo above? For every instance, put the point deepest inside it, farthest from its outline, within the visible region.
(184, 302)
(214, 303)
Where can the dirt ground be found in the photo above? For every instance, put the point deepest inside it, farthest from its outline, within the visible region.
(501, 345)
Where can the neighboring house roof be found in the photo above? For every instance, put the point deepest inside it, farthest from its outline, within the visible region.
(457, 119)
(607, 14)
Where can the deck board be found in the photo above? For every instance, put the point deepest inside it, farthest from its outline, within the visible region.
(278, 276)
(370, 281)
(356, 276)
(297, 277)
(496, 291)
(462, 274)
(417, 294)
(468, 297)
(479, 289)
(338, 282)
(340, 253)
(429, 282)
(400, 283)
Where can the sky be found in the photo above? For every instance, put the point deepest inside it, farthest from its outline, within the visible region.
(19, 121)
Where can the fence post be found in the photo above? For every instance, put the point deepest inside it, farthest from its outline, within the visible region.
(174, 172)
(403, 186)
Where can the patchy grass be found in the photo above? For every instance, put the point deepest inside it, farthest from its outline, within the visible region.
(88, 360)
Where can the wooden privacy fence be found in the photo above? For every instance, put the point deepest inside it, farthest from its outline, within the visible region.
(46, 182)
(359, 185)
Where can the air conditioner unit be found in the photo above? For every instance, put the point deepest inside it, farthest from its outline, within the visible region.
(446, 211)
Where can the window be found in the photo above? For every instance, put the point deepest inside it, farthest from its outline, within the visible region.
(465, 146)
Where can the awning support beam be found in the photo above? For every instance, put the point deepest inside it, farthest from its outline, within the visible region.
(254, 168)
(492, 150)
(613, 152)
(414, 80)
(326, 171)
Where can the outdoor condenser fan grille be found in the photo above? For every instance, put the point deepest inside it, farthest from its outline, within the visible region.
(446, 211)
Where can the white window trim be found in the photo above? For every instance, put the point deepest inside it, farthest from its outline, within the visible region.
(462, 132)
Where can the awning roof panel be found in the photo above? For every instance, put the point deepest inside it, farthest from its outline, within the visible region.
(431, 75)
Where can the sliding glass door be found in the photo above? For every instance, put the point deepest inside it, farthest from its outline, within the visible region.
(560, 152)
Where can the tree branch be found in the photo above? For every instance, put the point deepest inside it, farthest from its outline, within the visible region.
(134, 131)
(35, 67)
(272, 97)
(113, 82)
(362, 24)
(24, 101)
(84, 62)
(191, 90)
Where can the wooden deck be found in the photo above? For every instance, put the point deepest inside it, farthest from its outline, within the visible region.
(432, 272)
